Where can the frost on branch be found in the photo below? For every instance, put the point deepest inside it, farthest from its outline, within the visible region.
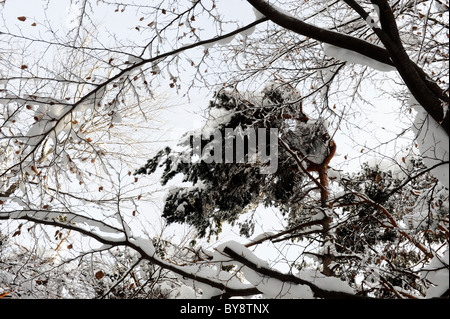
(437, 273)
(306, 284)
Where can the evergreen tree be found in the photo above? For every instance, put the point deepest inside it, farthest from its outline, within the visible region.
(219, 191)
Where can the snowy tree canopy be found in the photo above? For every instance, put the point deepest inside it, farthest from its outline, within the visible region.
(335, 114)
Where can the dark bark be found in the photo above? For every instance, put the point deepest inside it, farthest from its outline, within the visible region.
(335, 38)
(318, 292)
(424, 90)
(415, 78)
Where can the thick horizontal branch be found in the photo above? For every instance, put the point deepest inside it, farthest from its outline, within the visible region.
(318, 292)
(226, 292)
(33, 217)
(341, 40)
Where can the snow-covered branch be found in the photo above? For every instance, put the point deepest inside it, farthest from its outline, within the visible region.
(290, 22)
(275, 283)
